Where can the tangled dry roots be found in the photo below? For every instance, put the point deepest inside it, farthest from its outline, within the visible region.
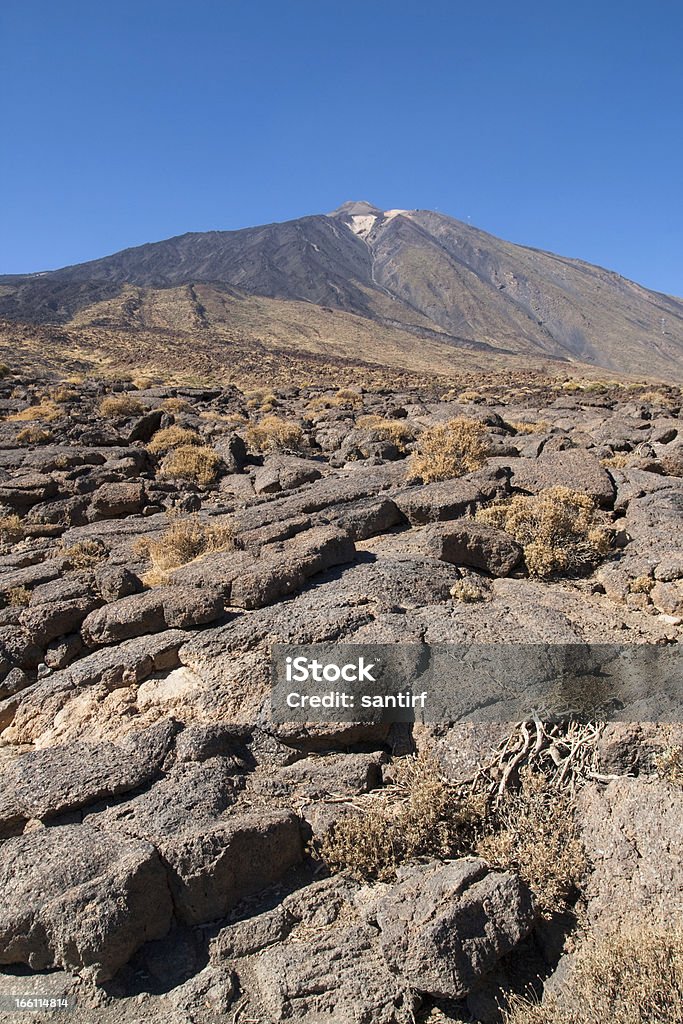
(564, 752)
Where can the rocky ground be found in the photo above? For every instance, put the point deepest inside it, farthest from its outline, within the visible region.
(157, 830)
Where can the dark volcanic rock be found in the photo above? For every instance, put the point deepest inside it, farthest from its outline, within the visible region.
(23, 491)
(280, 573)
(116, 499)
(45, 622)
(46, 783)
(466, 542)
(576, 469)
(443, 926)
(154, 610)
(449, 499)
(75, 897)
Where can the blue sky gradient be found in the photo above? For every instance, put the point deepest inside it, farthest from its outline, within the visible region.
(556, 125)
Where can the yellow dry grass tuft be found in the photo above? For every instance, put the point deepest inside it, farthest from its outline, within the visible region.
(527, 427)
(63, 394)
(559, 529)
(423, 818)
(184, 540)
(84, 554)
(669, 765)
(398, 432)
(18, 597)
(34, 435)
(172, 437)
(532, 831)
(198, 464)
(274, 434)
(175, 405)
(45, 411)
(635, 977)
(120, 406)
(467, 591)
(449, 450)
(11, 529)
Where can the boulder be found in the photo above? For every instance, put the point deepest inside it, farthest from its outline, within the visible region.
(45, 622)
(445, 926)
(576, 469)
(449, 499)
(77, 898)
(116, 499)
(281, 572)
(267, 480)
(338, 974)
(32, 711)
(284, 473)
(213, 868)
(368, 517)
(668, 597)
(633, 833)
(233, 452)
(153, 611)
(45, 783)
(467, 542)
(116, 581)
(214, 859)
(27, 489)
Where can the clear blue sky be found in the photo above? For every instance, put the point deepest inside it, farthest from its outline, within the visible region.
(554, 124)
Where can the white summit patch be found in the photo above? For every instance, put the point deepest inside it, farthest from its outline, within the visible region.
(362, 224)
(390, 214)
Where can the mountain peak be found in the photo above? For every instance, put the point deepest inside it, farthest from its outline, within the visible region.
(355, 208)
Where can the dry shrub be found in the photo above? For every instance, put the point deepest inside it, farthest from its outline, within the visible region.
(344, 398)
(617, 461)
(172, 437)
(274, 434)
(525, 427)
(468, 591)
(63, 394)
(175, 405)
(449, 450)
(183, 541)
(191, 462)
(641, 585)
(559, 529)
(120, 406)
(233, 419)
(45, 411)
(11, 529)
(635, 977)
(19, 597)
(260, 398)
(398, 432)
(532, 831)
(423, 817)
(4, 370)
(34, 435)
(528, 827)
(669, 765)
(84, 554)
(471, 396)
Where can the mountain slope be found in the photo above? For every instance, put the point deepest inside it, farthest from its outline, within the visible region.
(415, 271)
